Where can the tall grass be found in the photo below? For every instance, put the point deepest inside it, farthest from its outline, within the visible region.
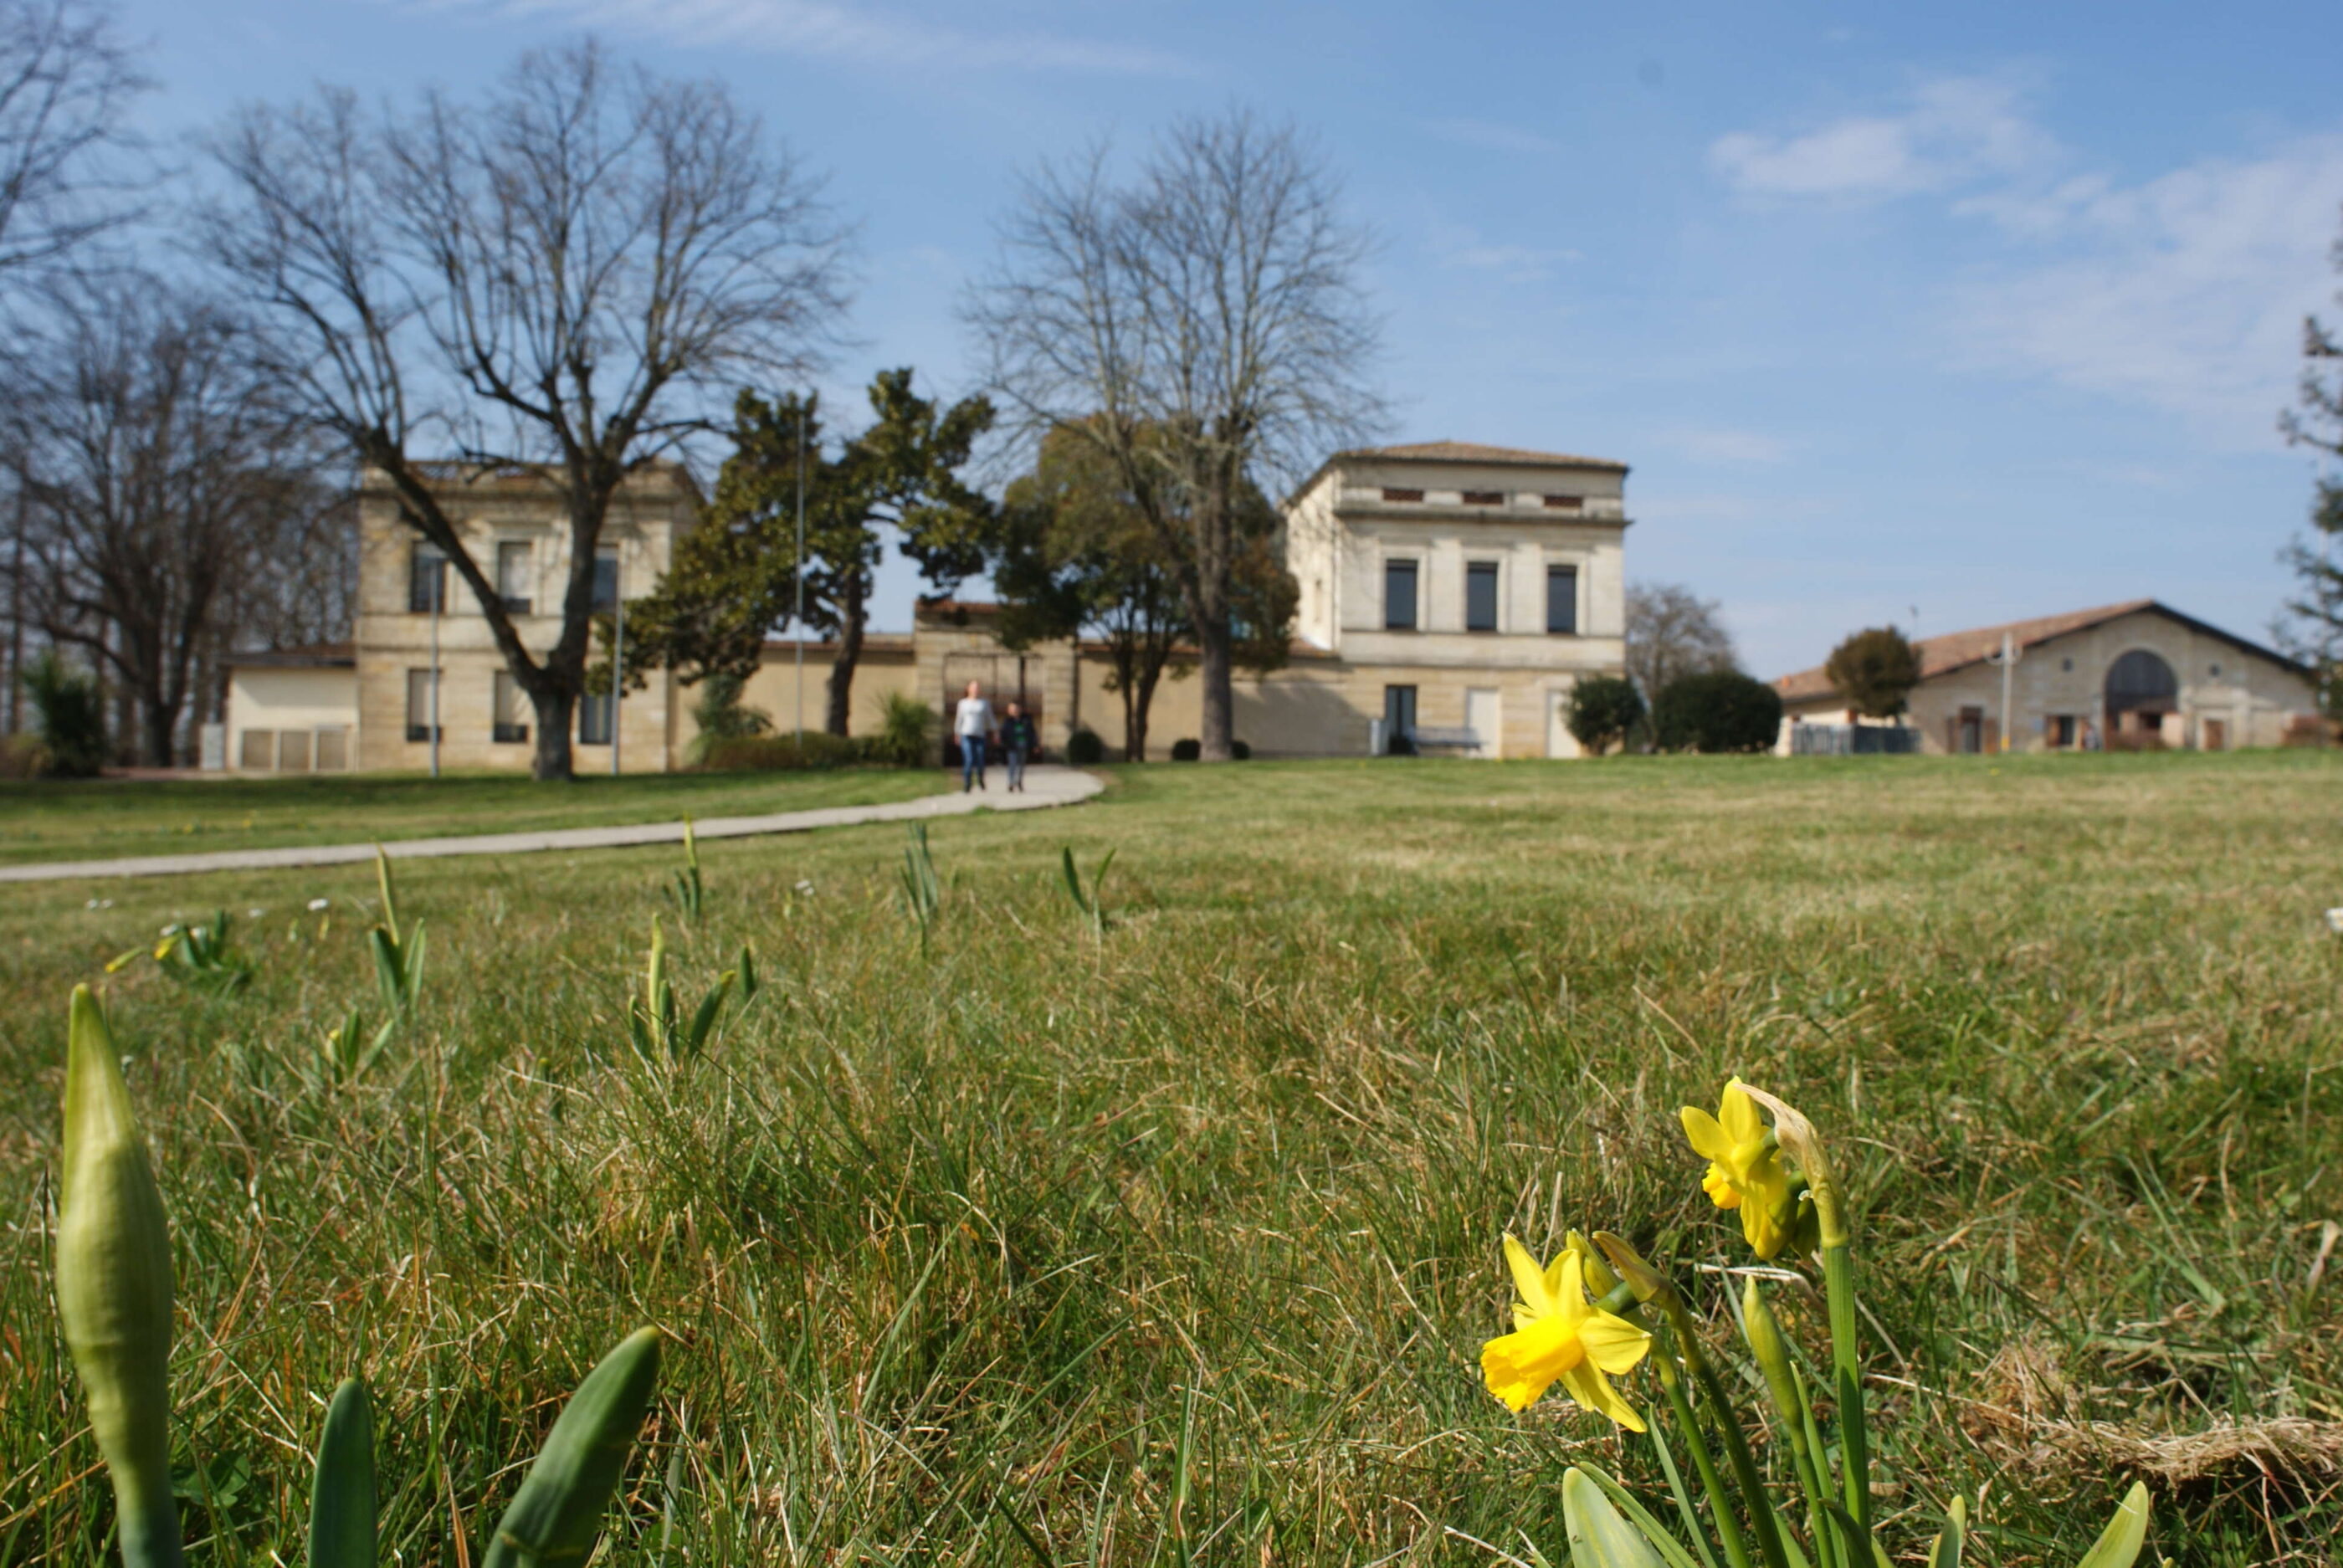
(1011, 1242)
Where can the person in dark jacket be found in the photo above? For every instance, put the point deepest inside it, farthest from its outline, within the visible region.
(1019, 740)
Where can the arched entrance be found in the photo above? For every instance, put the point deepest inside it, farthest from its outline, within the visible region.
(2141, 689)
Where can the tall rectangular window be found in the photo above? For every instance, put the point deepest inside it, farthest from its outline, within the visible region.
(606, 581)
(1562, 601)
(427, 580)
(419, 705)
(513, 586)
(1480, 596)
(594, 719)
(508, 728)
(1399, 720)
(1399, 595)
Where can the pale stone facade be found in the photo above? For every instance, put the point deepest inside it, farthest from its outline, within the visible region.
(2131, 674)
(1511, 561)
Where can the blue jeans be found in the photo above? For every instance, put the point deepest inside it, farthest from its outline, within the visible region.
(971, 762)
(1017, 768)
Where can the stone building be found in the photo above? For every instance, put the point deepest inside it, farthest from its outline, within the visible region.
(1451, 593)
(2131, 675)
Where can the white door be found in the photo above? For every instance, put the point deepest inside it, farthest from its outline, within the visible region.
(1559, 741)
(1481, 717)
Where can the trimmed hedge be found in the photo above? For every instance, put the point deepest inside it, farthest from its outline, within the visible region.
(1188, 750)
(1084, 748)
(781, 753)
(1722, 711)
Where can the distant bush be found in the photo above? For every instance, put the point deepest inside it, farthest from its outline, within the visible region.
(25, 756)
(1240, 749)
(1874, 669)
(1187, 750)
(1722, 711)
(68, 717)
(784, 753)
(722, 716)
(1084, 748)
(905, 724)
(1602, 710)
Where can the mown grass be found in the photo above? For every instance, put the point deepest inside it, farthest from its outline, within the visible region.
(1181, 1244)
(57, 821)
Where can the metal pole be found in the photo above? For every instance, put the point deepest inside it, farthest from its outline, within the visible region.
(17, 620)
(799, 615)
(438, 593)
(618, 646)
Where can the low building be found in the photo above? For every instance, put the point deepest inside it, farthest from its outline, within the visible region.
(1451, 593)
(2135, 675)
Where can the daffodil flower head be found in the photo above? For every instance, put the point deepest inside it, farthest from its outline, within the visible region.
(1558, 1337)
(1744, 1168)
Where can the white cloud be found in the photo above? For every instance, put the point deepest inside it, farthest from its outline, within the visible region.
(857, 33)
(1459, 247)
(1489, 133)
(2186, 292)
(1952, 131)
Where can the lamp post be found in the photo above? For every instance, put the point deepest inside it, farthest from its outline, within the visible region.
(799, 573)
(2007, 659)
(618, 645)
(438, 593)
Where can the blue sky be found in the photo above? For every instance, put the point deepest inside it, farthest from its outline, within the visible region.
(1974, 312)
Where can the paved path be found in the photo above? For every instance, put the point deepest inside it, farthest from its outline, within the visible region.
(1045, 787)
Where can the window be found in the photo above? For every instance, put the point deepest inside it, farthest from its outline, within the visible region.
(1484, 498)
(2215, 669)
(427, 580)
(1566, 503)
(606, 581)
(1562, 601)
(508, 728)
(512, 576)
(1392, 494)
(594, 719)
(1480, 596)
(1399, 595)
(419, 705)
(1399, 720)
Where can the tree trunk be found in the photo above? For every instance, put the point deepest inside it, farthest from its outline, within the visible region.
(554, 707)
(1214, 667)
(1134, 725)
(849, 653)
(159, 722)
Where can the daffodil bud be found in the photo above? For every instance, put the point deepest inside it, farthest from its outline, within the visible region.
(1646, 1282)
(114, 1287)
(557, 1514)
(1772, 1353)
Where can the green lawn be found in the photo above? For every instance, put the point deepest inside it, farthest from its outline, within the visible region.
(966, 1243)
(53, 821)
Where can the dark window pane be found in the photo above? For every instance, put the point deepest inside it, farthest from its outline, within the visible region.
(594, 719)
(1567, 503)
(1399, 595)
(1484, 498)
(1480, 596)
(1399, 718)
(1392, 494)
(1562, 600)
(606, 583)
(427, 580)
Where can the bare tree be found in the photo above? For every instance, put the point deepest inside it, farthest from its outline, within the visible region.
(565, 279)
(1203, 324)
(66, 80)
(2310, 620)
(155, 485)
(1672, 633)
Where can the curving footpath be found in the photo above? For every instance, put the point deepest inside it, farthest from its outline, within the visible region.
(1044, 787)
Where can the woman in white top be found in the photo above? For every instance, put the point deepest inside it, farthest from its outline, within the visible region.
(972, 726)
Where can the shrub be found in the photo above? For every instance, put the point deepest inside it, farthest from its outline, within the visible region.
(1084, 748)
(1187, 750)
(68, 715)
(1723, 711)
(781, 753)
(1602, 710)
(722, 716)
(25, 756)
(1240, 749)
(1874, 669)
(905, 724)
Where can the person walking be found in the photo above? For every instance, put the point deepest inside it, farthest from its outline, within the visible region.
(973, 727)
(1018, 742)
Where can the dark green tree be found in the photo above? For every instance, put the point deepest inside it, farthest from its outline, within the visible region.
(1874, 669)
(1722, 710)
(2311, 622)
(734, 578)
(1602, 710)
(1075, 554)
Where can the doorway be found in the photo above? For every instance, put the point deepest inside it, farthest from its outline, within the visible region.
(1483, 717)
(1559, 741)
(1968, 731)
(1399, 720)
(1001, 679)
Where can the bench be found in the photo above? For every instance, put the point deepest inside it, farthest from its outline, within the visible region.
(1436, 738)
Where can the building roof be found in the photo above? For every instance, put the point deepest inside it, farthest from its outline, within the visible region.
(309, 655)
(1958, 649)
(1476, 453)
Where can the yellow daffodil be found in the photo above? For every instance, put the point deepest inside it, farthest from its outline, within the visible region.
(1744, 1168)
(1558, 1338)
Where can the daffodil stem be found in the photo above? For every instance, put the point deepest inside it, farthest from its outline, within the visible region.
(1693, 1532)
(1846, 1367)
(1753, 1495)
(1720, 1501)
